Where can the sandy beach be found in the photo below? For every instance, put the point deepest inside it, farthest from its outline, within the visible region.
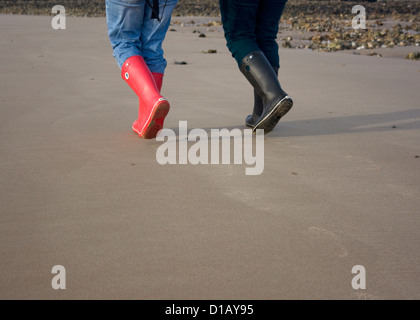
(78, 188)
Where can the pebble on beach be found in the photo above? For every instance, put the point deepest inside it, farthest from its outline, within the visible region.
(327, 25)
(413, 55)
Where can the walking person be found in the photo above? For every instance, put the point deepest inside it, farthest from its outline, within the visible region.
(251, 28)
(137, 29)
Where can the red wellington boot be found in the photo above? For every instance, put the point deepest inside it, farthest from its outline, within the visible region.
(158, 77)
(153, 108)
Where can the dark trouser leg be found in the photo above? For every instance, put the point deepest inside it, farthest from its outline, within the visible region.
(267, 27)
(239, 19)
(252, 25)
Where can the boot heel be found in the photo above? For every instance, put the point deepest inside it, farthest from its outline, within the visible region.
(155, 122)
(271, 120)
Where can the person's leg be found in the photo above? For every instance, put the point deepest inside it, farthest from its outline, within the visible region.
(125, 22)
(239, 23)
(153, 35)
(267, 27)
(126, 28)
(268, 17)
(155, 27)
(239, 18)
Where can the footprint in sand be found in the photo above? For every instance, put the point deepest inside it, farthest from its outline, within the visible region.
(364, 296)
(320, 233)
(366, 162)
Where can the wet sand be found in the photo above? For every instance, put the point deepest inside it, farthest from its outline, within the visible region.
(340, 185)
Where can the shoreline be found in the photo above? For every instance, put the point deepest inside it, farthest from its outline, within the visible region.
(212, 26)
(317, 25)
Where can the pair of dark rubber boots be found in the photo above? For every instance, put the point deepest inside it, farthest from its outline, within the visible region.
(271, 102)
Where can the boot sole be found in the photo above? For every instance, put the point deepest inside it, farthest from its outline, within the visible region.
(274, 116)
(155, 121)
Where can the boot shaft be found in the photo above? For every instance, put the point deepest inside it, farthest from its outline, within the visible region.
(138, 76)
(262, 76)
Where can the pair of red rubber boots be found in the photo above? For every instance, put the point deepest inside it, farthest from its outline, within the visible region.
(153, 107)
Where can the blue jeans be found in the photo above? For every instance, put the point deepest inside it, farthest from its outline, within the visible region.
(133, 32)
